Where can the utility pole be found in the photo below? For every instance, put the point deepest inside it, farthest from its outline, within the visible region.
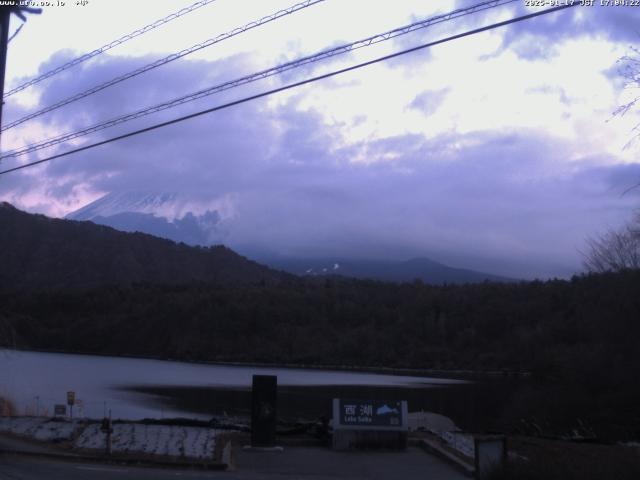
(5, 12)
(5, 16)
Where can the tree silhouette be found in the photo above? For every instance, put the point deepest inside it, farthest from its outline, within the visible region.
(615, 250)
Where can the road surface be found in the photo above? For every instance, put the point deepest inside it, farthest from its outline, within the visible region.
(293, 463)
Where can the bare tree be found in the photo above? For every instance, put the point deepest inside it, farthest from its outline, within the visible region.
(629, 70)
(615, 250)
(619, 249)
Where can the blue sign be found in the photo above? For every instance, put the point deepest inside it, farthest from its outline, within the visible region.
(376, 413)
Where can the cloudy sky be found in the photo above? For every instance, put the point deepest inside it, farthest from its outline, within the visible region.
(498, 151)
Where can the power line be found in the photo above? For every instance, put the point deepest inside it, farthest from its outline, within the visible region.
(14, 34)
(108, 46)
(165, 60)
(260, 75)
(293, 85)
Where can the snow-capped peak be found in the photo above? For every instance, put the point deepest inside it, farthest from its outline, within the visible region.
(171, 206)
(120, 202)
(167, 215)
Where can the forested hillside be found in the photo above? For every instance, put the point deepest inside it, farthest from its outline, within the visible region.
(41, 252)
(589, 323)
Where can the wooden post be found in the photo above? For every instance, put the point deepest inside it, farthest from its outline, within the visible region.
(5, 14)
(5, 17)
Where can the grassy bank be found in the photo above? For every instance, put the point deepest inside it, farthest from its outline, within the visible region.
(541, 459)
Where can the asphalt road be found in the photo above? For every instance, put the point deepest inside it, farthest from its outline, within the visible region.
(293, 463)
(29, 468)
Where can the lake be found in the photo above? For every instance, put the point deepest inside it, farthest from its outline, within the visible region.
(135, 388)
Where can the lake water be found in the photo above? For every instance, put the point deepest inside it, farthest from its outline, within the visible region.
(139, 388)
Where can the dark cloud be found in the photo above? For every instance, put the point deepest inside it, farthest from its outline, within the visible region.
(167, 82)
(429, 101)
(538, 37)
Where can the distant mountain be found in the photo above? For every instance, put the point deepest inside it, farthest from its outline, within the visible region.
(131, 201)
(163, 215)
(41, 252)
(424, 269)
(171, 216)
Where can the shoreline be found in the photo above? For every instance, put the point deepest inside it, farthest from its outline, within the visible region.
(454, 374)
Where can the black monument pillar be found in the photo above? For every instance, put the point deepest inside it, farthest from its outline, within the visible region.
(263, 410)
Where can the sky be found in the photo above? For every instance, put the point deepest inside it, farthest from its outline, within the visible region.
(498, 151)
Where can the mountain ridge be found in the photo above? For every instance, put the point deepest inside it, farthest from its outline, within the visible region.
(42, 252)
(418, 268)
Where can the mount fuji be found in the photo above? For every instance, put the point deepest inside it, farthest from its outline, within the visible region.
(175, 217)
(165, 215)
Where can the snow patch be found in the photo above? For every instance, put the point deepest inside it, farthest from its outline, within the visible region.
(444, 428)
(172, 440)
(41, 428)
(460, 441)
(176, 441)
